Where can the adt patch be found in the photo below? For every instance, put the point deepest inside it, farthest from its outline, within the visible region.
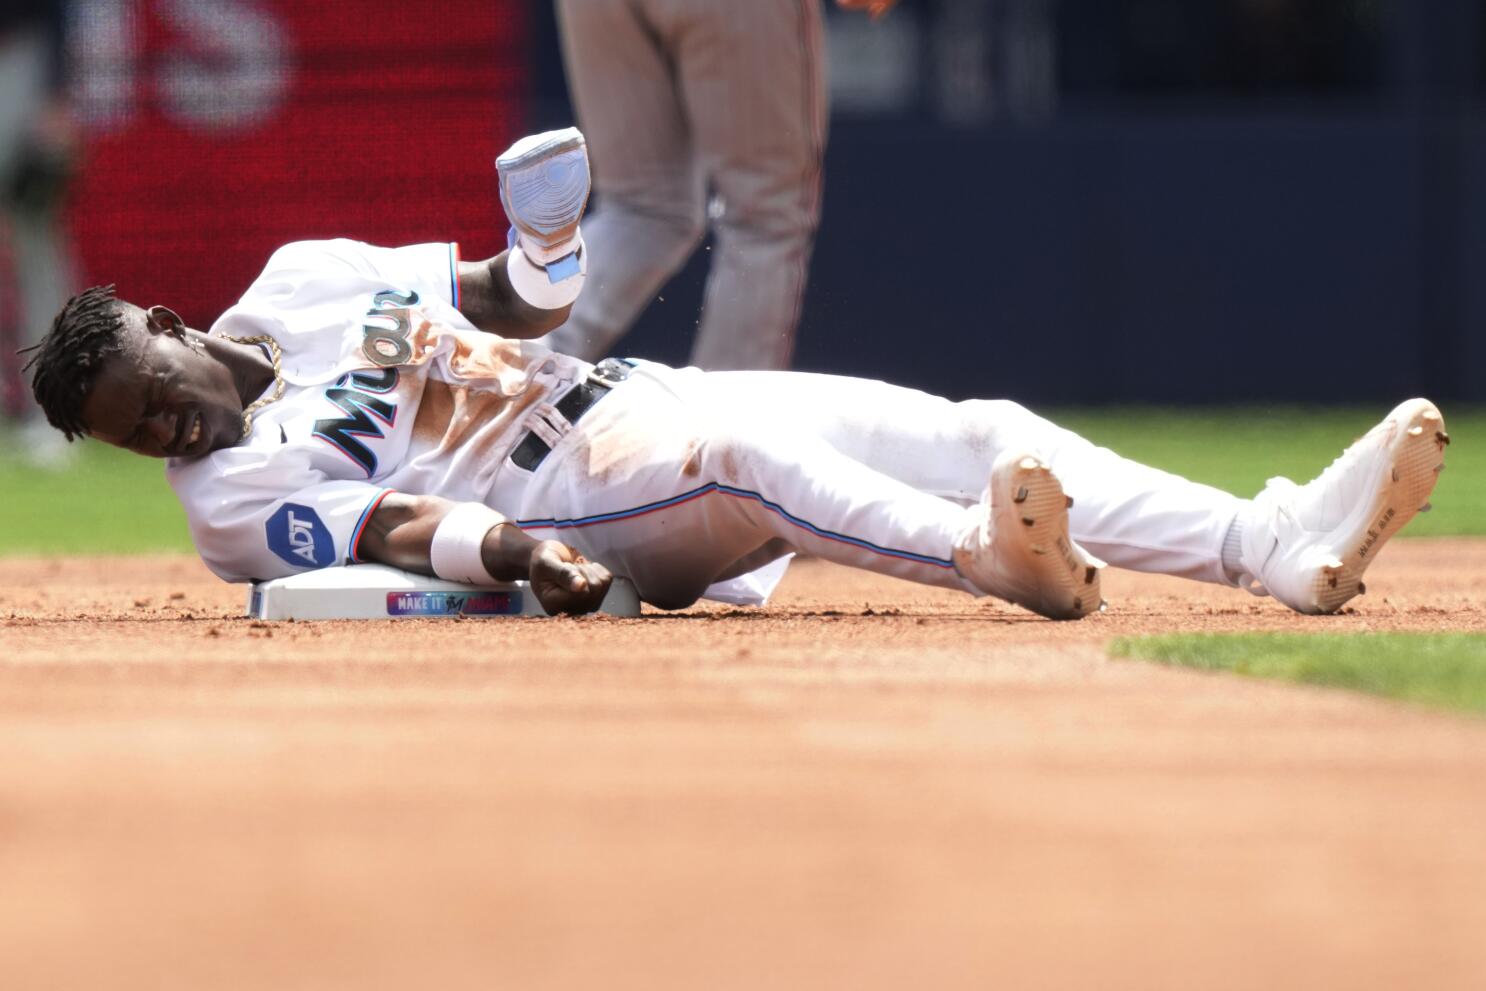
(296, 534)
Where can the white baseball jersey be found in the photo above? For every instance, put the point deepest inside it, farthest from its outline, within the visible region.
(438, 418)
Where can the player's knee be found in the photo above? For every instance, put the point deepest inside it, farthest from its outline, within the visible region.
(732, 455)
(995, 411)
(995, 423)
(680, 219)
(671, 600)
(684, 225)
(765, 221)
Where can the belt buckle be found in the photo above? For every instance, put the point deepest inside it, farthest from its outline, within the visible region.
(610, 371)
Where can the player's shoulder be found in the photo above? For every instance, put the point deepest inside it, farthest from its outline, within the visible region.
(339, 254)
(304, 273)
(344, 263)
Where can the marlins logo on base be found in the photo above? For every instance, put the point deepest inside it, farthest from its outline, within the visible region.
(453, 603)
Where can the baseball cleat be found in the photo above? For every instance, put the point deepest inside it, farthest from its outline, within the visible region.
(1308, 545)
(1019, 550)
(544, 187)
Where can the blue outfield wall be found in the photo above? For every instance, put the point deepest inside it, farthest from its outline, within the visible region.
(1473, 254)
(1135, 260)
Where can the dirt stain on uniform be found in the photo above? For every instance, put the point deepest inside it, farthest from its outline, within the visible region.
(693, 466)
(482, 409)
(729, 472)
(473, 409)
(460, 417)
(473, 355)
(980, 441)
(435, 412)
(485, 356)
(601, 455)
(424, 340)
(515, 410)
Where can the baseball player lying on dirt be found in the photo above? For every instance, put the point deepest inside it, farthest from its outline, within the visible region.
(389, 404)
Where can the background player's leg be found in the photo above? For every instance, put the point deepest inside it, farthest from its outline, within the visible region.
(44, 277)
(43, 267)
(648, 215)
(1131, 515)
(22, 70)
(753, 78)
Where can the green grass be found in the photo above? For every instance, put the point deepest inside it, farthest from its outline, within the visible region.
(1439, 669)
(1237, 450)
(108, 502)
(113, 502)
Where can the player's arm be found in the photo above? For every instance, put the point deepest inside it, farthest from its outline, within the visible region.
(472, 543)
(489, 301)
(529, 290)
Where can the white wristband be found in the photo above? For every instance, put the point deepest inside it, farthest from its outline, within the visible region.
(533, 284)
(455, 553)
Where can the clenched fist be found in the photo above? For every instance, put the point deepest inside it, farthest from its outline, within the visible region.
(565, 581)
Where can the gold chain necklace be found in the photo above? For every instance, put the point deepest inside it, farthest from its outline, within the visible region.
(276, 354)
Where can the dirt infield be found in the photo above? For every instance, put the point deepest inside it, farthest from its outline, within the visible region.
(867, 785)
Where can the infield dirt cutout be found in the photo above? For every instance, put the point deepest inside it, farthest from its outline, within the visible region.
(867, 785)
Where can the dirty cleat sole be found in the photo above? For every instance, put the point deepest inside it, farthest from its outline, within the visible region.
(1026, 555)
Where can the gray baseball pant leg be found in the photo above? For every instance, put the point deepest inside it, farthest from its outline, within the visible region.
(676, 96)
(40, 252)
(648, 217)
(753, 79)
(43, 268)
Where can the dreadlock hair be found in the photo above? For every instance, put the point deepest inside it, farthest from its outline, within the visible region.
(88, 330)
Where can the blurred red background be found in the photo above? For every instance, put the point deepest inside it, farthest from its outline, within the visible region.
(219, 131)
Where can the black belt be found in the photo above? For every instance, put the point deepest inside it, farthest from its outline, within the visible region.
(608, 373)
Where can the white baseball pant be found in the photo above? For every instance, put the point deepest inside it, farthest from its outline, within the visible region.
(681, 477)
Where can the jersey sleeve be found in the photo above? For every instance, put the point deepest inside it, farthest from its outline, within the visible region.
(255, 539)
(431, 269)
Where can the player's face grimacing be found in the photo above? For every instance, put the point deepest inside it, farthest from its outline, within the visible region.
(165, 395)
